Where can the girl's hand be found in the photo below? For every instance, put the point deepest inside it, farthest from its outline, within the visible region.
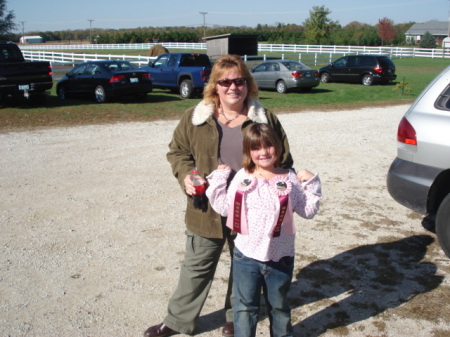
(304, 175)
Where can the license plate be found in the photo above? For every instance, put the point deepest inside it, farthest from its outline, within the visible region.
(308, 75)
(24, 87)
(134, 80)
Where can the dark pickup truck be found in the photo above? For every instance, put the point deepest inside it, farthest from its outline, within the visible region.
(186, 73)
(19, 77)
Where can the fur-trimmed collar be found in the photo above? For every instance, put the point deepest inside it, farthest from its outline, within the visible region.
(256, 112)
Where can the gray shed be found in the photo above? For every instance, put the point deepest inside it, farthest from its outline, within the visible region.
(239, 44)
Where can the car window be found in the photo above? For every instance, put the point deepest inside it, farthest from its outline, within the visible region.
(172, 61)
(161, 61)
(443, 101)
(92, 69)
(260, 68)
(386, 62)
(351, 61)
(273, 67)
(78, 70)
(295, 66)
(368, 61)
(340, 63)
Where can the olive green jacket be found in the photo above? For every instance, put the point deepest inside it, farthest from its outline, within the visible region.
(195, 143)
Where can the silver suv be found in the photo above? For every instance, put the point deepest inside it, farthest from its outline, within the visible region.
(419, 178)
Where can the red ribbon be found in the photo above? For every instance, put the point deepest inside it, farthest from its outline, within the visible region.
(237, 211)
(283, 207)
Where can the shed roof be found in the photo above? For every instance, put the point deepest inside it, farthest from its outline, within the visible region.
(433, 27)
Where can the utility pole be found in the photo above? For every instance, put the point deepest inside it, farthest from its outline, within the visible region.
(90, 30)
(23, 31)
(204, 24)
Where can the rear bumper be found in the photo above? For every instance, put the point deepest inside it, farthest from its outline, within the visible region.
(16, 89)
(409, 183)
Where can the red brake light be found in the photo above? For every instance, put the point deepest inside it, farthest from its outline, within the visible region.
(378, 69)
(203, 75)
(297, 74)
(116, 78)
(406, 133)
(316, 74)
(50, 72)
(146, 76)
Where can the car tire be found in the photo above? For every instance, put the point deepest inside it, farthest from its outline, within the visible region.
(281, 87)
(186, 89)
(325, 78)
(367, 80)
(100, 94)
(62, 95)
(443, 225)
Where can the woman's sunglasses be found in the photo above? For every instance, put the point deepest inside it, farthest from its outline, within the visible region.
(239, 82)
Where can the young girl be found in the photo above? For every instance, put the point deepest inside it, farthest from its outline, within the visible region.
(259, 204)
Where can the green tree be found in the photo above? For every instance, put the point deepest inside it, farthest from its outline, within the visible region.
(7, 24)
(318, 25)
(427, 41)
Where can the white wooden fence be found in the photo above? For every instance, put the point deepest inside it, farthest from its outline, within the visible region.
(311, 55)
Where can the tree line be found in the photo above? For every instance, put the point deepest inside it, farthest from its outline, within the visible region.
(317, 29)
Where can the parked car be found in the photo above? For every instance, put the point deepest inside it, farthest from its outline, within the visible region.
(105, 80)
(186, 73)
(21, 78)
(419, 177)
(365, 69)
(285, 75)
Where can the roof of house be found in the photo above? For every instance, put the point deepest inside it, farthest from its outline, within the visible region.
(433, 27)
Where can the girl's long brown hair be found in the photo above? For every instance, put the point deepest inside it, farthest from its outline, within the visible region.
(256, 136)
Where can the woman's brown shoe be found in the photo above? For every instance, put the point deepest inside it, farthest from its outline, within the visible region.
(159, 330)
(228, 329)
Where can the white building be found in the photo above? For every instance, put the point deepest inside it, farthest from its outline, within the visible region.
(31, 39)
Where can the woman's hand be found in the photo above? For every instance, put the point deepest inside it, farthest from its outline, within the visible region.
(304, 175)
(189, 185)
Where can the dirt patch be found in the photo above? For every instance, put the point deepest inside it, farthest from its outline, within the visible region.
(93, 234)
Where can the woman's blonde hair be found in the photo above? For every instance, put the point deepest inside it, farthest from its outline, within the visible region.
(222, 65)
(257, 136)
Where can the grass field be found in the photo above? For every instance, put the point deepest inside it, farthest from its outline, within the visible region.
(413, 73)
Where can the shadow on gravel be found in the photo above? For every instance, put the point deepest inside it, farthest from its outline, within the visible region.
(367, 281)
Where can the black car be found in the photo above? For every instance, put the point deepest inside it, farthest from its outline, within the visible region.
(365, 69)
(105, 80)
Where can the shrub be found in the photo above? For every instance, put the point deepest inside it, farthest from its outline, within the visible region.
(428, 41)
(157, 50)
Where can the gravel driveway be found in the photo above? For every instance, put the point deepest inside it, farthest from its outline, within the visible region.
(92, 234)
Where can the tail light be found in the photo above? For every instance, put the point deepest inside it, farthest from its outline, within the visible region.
(146, 76)
(316, 74)
(406, 133)
(297, 74)
(116, 78)
(50, 71)
(378, 69)
(203, 75)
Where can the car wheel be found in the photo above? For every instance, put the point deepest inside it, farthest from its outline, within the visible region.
(100, 94)
(325, 78)
(443, 225)
(186, 89)
(281, 87)
(367, 80)
(62, 93)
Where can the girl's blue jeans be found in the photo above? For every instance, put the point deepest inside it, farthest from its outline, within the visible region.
(274, 279)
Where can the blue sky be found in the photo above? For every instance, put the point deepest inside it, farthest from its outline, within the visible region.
(51, 15)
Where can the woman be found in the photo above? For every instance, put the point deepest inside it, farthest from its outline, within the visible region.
(209, 134)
